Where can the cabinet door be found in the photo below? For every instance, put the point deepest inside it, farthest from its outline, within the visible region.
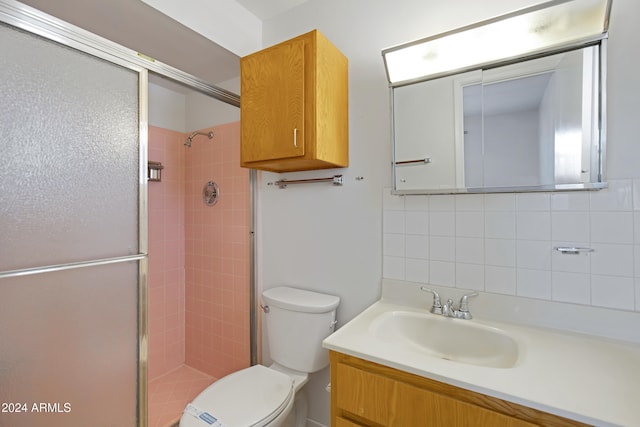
(417, 407)
(342, 422)
(388, 402)
(365, 394)
(272, 106)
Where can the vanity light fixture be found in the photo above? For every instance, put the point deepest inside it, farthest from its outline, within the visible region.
(551, 26)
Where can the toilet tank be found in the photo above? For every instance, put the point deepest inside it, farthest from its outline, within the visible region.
(297, 321)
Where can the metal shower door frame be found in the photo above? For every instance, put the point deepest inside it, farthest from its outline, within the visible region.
(34, 21)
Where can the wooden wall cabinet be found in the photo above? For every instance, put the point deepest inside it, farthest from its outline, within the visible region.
(368, 394)
(294, 106)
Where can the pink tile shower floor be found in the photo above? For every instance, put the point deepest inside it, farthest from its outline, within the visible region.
(170, 393)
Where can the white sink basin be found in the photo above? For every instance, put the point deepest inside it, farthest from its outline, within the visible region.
(457, 340)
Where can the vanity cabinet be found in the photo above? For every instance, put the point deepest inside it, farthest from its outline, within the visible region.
(368, 394)
(294, 106)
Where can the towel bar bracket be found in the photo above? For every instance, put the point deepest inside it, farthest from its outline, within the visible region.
(283, 183)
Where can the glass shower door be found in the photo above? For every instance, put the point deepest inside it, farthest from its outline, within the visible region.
(72, 260)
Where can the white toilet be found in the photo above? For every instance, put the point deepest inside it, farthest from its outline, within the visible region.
(297, 321)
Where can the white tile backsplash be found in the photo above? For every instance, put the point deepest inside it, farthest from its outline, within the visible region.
(500, 225)
(533, 283)
(533, 201)
(416, 222)
(416, 246)
(416, 203)
(500, 252)
(503, 243)
(442, 203)
(570, 226)
(500, 202)
(612, 260)
(500, 280)
(442, 223)
(612, 292)
(393, 267)
(469, 202)
(533, 225)
(442, 248)
(570, 263)
(469, 224)
(393, 244)
(469, 250)
(470, 276)
(393, 222)
(570, 201)
(612, 227)
(417, 270)
(442, 273)
(533, 254)
(571, 287)
(618, 197)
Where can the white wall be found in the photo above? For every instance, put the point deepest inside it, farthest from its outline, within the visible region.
(511, 149)
(186, 111)
(203, 111)
(330, 239)
(224, 21)
(167, 108)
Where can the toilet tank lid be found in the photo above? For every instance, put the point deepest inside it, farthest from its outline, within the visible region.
(300, 300)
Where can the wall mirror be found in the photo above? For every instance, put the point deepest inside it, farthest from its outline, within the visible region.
(534, 122)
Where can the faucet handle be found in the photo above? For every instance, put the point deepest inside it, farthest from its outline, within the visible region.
(436, 308)
(464, 304)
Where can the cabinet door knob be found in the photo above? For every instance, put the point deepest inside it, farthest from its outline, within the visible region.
(295, 137)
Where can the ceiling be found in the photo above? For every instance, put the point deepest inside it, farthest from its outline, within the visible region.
(265, 9)
(140, 27)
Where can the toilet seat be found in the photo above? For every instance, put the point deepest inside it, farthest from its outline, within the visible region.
(252, 397)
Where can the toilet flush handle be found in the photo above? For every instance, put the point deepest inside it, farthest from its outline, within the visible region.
(265, 308)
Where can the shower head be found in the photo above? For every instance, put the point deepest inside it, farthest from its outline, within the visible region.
(187, 143)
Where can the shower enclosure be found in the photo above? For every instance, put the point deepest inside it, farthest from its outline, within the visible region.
(74, 259)
(198, 248)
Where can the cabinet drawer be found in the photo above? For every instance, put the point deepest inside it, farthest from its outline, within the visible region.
(390, 402)
(341, 422)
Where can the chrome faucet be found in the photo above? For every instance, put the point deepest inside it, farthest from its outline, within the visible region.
(448, 309)
(436, 307)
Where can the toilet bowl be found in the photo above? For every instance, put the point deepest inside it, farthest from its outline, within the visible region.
(253, 397)
(297, 321)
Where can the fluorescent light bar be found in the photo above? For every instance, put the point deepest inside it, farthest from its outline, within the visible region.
(551, 25)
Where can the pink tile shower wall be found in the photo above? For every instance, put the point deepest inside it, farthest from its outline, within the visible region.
(166, 253)
(217, 255)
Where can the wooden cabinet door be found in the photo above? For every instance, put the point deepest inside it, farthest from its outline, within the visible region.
(272, 103)
(364, 394)
(342, 422)
(388, 402)
(417, 407)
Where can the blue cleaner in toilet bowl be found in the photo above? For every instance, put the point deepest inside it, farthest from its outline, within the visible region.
(203, 416)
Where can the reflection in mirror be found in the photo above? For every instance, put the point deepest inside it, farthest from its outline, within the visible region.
(536, 124)
(532, 125)
(425, 133)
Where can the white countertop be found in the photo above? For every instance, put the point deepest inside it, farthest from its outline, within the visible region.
(582, 377)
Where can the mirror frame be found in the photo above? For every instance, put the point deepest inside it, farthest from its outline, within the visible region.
(591, 29)
(601, 125)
